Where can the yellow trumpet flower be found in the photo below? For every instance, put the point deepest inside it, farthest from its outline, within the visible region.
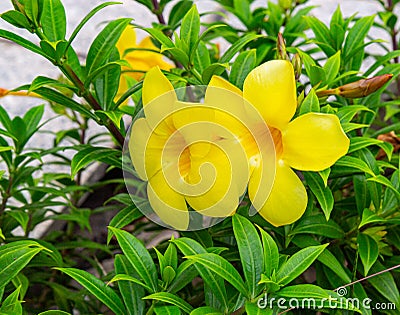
(310, 142)
(177, 149)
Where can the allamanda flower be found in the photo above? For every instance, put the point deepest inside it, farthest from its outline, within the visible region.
(177, 149)
(310, 142)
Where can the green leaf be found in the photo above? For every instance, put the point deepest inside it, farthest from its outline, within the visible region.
(31, 8)
(17, 19)
(332, 67)
(89, 155)
(54, 312)
(358, 143)
(384, 181)
(53, 20)
(167, 310)
(201, 57)
(384, 283)
(107, 80)
(21, 217)
(244, 63)
(14, 257)
(322, 35)
(160, 37)
(357, 33)
(123, 218)
(171, 299)
(347, 113)
(213, 69)
(323, 193)
(59, 98)
(354, 163)
(103, 45)
(124, 277)
(250, 251)
(368, 250)
(242, 10)
(185, 273)
(98, 288)
(237, 46)
(178, 12)
(270, 252)
(222, 268)
(138, 256)
(298, 263)
(132, 293)
(317, 224)
(87, 18)
(190, 247)
(12, 305)
(303, 291)
(368, 217)
(310, 103)
(259, 308)
(190, 29)
(22, 42)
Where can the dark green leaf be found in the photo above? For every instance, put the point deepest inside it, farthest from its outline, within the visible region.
(250, 251)
(298, 263)
(16, 18)
(244, 63)
(98, 288)
(171, 299)
(323, 193)
(310, 103)
(236, 47)
(138, 256)
(123, 218)
(178, 12)
(317, 224)
(368, 251)
(22, 42)
(222, 268)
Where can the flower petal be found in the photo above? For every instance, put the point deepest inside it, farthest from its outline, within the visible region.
(169, 205)
(288, 198)
(126, 41)
(218, 180)
(158, 100)
(271, 88)
(145, 149)
(314, 142)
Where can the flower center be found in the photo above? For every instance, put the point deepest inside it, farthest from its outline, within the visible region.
(277, 138)
(184, 162)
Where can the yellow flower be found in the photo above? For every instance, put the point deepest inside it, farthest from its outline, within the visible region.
(177, 149)
(140, 60)
(310, 142)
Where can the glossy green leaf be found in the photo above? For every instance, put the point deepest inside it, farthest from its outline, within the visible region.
(323, 193)
(123, 218)
(98, 288)
(14, 257)
(54, 312)
(12, 304)
(332, 67)
(16, 18)
(170, 299)
(244, 63)
(222, 268)
(250, 251)
(236, 47)
(368, 251)
(103, 45)
(178, 12)
(310, 103)
(190, 29)
(53, 20)
(22, 42)
(317, 224)
(298, 263)
(270, 252)
(384, 283)
(138, 256)
(354, 163)
(368, 217)
(190, 247)
(89, 155)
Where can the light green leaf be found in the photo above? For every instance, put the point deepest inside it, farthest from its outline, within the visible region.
(271, 253)
(244, 63)
(331, 67)
(53, 20)
(190, 29)
(123, 218)
(310, 103)
(354, 163)
(368, 250)
(237, 46)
